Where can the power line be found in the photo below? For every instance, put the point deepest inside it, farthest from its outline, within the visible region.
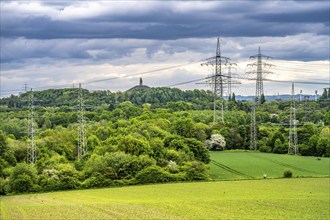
(142, 73)
(172, 67)
(111, 78)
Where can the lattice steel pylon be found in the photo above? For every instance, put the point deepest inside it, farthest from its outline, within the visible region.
(259, 71)
(31, 152)
(293, 138)
(230, 79)
(217, 80)
(218, 77)
(253, 133)
(81, 133)
(229, 83)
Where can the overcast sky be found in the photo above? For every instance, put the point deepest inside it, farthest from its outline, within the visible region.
(59, 44)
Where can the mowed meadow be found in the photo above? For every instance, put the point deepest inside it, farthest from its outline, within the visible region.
(252, 198)
(297, 198)
(236, 165)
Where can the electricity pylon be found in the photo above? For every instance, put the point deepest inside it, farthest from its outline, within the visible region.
(31, 152)
(218, 76)
(81, 133)
(293, 138)
(253, 133)
(217, 80)
(230, 79)
(259, 71)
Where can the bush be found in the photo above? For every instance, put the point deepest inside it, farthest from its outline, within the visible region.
(305, 150)
(287, 174)
(4, 186)
(265, 149)
(97, 180)
(49, 180)
(197, 171)
(68, 176)
(199, 150)
(153, 174)
(23, 178)
(22, 183)
(134, 146)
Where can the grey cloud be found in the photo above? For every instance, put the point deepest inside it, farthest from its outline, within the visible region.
(162, 21)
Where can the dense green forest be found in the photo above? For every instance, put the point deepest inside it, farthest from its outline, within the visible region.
(142, 136)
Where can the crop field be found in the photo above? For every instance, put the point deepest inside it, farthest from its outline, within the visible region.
(235, 165)
(297, 198)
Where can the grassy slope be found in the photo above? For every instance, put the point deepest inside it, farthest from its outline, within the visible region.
(258, 199)
(231, 165)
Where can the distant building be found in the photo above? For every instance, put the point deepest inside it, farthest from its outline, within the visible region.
(139, 87)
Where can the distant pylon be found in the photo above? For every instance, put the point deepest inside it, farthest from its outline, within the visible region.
(25, 87)
(293, 138)
(231, 79)
(81, 120)
(259, 72)
(253, 133)
(31, 152)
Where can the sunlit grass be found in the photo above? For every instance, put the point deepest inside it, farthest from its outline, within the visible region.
(253, 165)
(301, 198)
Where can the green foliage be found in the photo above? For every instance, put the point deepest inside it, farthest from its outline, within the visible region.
(68, 176)
(133, 145)
(155, 174)
(13, 126)
(3, 143)
(179, 106)
(4, 186)
(127, 132)
(117, 165)
(323, 147)
(97, 180)
(184, 127)
(23, 178)
(196, 171)
(157, 148)
(287, 174)
(276, 136)
(306, 132)
(49, 180)
(199, 150)
(262, 99)
(18, 148)
(265, 149)
(279, 147)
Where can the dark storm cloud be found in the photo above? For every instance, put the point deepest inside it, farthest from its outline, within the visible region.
(122, 33)
(162, 20)
(321, 15)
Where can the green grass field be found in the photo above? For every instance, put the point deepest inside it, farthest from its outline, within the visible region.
(236, 165)
(298, 198)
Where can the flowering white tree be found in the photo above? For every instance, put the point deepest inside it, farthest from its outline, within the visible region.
(217, 142)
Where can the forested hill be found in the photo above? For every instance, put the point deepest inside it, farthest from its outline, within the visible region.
(143, 136)
(158, 97)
